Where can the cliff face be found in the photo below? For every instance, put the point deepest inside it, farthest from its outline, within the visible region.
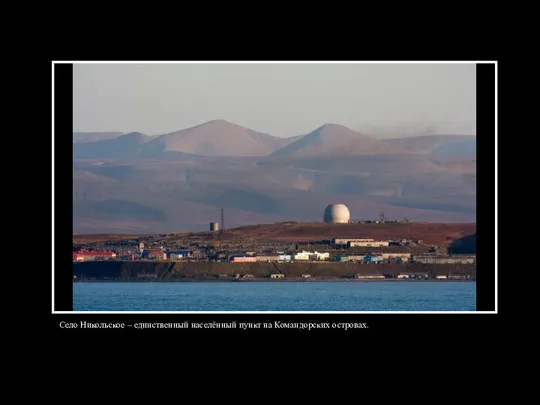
(465, 245)
(145, 270)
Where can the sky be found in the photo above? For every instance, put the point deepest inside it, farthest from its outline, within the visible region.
(382, 100)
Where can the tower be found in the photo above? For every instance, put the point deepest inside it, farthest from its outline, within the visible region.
(222, 220)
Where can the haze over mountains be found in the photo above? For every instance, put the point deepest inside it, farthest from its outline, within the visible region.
(179, 181)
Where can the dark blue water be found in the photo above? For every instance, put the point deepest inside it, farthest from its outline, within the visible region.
(275, 296)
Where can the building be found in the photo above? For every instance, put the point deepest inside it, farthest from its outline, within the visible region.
(176, 256)
(319, 256)
(157, 254)
(78, 257)
(337, 214)
(277, 275)
(306, 275)
(243, 259)
(441, 277)
(444, 260)
(214, 226)
(369, 276)
(459, 276)
(373, 243)
(266, 258)
(402, 256)
(284, 258)
(413, 275)
(343, 241)
(181, 253)
(356, 258)
(85, 255)
(303, 255)
(372, 259)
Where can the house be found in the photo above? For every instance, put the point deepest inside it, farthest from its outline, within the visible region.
(342, 241)
(267, 258)
(372, 243)
(277, 275)
(372, 259)
(441, 277)
(306, 275)
(444, 260)
(284, 258)
(303, 255)
(248, 276)
(85, 255)
(402, 256)
(243, 259)
(356, 258)
(181, 253)
(157, 254)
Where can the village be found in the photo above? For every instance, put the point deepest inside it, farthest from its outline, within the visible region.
(357, 250)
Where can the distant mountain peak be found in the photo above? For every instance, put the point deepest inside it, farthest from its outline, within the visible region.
(332, 126)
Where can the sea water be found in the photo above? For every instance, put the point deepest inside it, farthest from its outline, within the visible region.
(275, 296)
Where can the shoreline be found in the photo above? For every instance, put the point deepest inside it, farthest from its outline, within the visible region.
(271, 281)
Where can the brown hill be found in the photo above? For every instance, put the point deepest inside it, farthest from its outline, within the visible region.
(191, 190)
(436, 233)
(218, 138)
(334, 140)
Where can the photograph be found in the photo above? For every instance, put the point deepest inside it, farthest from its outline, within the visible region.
(273, 187)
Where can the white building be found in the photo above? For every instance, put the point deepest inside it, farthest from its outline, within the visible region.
(267, 258)
(320, 256)
(344, 241)
(303, 255)
(374, 243)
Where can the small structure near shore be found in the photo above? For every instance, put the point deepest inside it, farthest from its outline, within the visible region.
(277, 275)
(369, 276)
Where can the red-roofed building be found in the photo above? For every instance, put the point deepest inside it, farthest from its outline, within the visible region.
(157, 254)
(85, 255)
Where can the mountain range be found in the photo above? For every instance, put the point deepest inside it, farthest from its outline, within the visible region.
(132, 182)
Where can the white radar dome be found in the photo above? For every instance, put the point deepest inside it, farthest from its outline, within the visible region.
(337, 214)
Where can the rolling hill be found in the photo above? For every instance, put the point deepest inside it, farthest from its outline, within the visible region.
(430, 143)
(218, 138)
(214, 138)
(137, 183)
(333, 140)
(94, 136)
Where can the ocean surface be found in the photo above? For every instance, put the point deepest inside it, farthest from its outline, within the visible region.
(275, 296)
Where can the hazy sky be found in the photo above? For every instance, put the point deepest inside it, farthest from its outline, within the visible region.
(279, 99)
